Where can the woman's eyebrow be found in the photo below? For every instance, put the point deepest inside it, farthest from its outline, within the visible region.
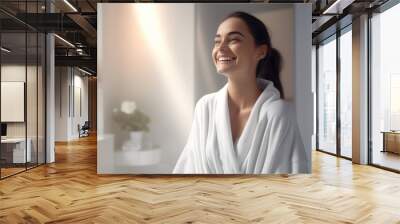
(235, 32)
(230, 34)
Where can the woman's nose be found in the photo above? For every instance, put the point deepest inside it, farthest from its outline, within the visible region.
(223, 46)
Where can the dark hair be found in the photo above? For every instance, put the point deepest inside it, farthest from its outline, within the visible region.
(270, 66)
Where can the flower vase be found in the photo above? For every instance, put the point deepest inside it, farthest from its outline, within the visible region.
(135, 142)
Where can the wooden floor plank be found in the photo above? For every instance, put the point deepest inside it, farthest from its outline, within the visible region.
(70, 191)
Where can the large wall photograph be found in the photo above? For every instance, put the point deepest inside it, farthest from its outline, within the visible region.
(204, 88)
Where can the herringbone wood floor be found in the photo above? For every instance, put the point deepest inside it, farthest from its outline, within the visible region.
(70, 191)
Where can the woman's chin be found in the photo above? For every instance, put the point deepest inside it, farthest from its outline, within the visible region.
(223, 74)
(224, 71)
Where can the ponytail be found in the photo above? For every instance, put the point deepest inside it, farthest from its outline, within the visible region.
(269, 68)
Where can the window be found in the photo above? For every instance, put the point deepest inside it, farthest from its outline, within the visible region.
(333, 137)
(385, 89)
(327, 96)
(346, 93)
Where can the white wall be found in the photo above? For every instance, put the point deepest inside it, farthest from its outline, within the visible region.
(15, 72)
(80, 84)
(159, 55)
(61, 103)
(67, 81)
(33, 126)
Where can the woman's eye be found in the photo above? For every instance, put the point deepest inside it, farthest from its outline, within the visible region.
(234, 40)
(217, 42)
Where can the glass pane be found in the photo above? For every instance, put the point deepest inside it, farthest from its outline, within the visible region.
(22, 63)
(13, 86)
(346, 94)
(327, 96)
(41, 98)
(31, 101)
(385, 84)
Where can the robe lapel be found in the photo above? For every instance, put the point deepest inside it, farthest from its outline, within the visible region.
(249, 142)
(226, 150)
(243, 159)
(245, 141)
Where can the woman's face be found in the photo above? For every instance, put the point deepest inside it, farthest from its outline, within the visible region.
(234, 51)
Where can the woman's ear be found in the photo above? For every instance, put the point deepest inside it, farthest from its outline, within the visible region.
(262, 51)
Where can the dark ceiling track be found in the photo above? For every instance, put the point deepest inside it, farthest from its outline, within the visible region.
(78, 61)
(331, 28)
(50, 22)
(14, 20)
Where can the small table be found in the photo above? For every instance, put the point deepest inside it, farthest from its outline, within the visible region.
(391, 141)
(18, 150)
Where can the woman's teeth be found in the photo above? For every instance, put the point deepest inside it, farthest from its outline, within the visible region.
(226, 59)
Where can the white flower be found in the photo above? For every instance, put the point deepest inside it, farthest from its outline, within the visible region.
(128, 107)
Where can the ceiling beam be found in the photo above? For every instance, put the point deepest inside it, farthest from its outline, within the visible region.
(337, 7)
(84, 61)
(84, 24)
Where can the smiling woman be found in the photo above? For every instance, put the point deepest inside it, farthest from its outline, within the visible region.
(245, 127)
(211, 80)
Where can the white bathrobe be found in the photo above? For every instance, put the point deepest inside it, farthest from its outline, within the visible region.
(270, 142)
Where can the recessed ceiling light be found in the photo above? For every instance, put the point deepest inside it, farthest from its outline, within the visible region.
(70, 5)
(5, 50)
(337, 7)
(84, 71)
(64, 40)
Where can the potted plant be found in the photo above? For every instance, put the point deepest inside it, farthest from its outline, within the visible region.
(131, 119)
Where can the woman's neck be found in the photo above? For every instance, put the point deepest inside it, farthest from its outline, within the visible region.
(243, 93)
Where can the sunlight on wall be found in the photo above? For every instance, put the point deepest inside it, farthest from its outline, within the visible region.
(150, 19)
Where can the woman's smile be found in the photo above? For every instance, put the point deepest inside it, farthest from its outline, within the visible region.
(226, 59)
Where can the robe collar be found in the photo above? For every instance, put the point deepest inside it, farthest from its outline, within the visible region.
(232, 159)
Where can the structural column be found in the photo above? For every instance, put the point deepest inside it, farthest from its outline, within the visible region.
(360, 90)
(50, 92)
